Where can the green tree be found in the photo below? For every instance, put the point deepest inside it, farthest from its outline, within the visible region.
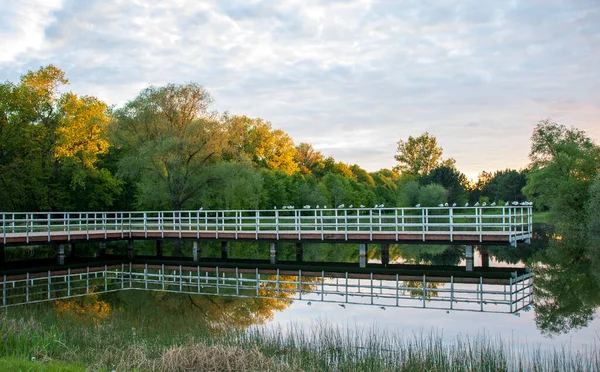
(307, 158)
(255, 140)
(432, 195)
(450, 179)
(592, 215)
(563, 164)
(420, 155)
(168, 137)
(50, 144)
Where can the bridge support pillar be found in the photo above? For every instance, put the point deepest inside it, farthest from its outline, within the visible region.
(159, 250)
(363, 251)
(469, 256)
(102, 249)
(273, 253)
(130, 246)
(385, 254)
(60, 255)
(224, 250)
(299, 252)
(485, 256)
(195, 250)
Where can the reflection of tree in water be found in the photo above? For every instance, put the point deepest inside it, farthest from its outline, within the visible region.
(157, 310)
(567, 283)
(542, 234)
(427, 254)
(418, 293)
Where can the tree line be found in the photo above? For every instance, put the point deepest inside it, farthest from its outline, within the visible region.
(166, 149)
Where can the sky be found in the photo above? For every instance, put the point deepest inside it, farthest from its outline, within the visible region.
(350, 77)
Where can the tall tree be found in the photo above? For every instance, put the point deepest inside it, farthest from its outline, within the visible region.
(450, 179)
(563, 164)
(50, 144)
(168, 136)
(256, 140)
(420, 155)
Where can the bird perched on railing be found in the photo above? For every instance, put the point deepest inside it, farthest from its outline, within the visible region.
(505, 204)
(418, 206)
(454, 204)
(362, 206)
(466, 204)
(441, 205)
(306, 206)
(515, 203)
(484, 204)
(476, 204)
(341, 206)
(493, 204)
(445, 204)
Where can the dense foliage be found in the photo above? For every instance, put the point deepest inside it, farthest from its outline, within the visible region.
(166, 149)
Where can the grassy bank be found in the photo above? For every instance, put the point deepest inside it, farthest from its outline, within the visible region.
(145, 342)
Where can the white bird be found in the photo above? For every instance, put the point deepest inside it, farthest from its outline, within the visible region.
(200, 210)
(515, 203)
(340, 206)
(325, 206)
(493, 204)
(418, 206)
(466, 204)
(484, 204)
(362, 206)
(445, 204)
(454, 204)
(505, 204)
(441, 205)
(274, 207)
(477, 204)
(284, 207)
(317, 206)
(350, 206)
(382, 205)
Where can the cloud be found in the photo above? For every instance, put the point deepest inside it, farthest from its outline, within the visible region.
(351, 77)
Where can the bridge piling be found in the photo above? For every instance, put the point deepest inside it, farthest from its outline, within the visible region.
(299, 252)
(130, 246)
(159, 250)
(469, 257)
(60, 256)
(385, 254)
(195, 250)
(485, 256)
(363, 250)
(224, 250)
(102, 249)
(273, 253)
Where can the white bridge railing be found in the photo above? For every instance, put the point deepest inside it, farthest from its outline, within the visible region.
(512, 221)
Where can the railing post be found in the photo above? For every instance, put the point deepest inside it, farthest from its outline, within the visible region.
(257, 224)
(4, 228)
(423, 222)
(145, 225)
(345, 224)
(396, 222)
(277, 223)
(451, 220)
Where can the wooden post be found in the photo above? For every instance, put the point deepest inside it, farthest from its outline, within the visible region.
(363, 255)
(195, 250)
(299, 252)
(60, 256)
(385, 254)
(273, 253)
(469, 256)
(159, 250)
(224, 249)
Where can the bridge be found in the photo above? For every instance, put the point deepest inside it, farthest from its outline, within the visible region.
(504, 225)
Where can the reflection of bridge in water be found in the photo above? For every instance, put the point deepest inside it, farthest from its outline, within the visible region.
(413, 286)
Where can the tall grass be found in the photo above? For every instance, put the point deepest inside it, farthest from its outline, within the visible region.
(124, 343)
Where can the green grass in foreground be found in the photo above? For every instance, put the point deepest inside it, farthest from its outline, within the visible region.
(14, 364)
(155, 341)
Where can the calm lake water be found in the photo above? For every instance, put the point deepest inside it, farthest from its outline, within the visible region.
(564, 313)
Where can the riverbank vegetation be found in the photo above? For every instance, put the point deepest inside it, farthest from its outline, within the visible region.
(119, 343)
